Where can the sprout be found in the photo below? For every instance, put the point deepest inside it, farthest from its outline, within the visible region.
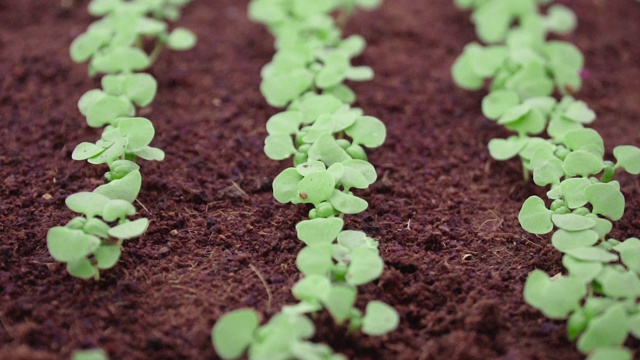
(113, 46)
(523, 69)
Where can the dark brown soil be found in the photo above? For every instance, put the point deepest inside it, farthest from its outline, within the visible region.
(443, 211)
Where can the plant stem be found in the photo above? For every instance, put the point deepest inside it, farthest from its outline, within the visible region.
(156, 51)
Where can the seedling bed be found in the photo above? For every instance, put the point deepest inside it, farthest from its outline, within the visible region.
(444, 212)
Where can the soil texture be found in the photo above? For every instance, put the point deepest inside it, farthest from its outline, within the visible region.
(444, 212)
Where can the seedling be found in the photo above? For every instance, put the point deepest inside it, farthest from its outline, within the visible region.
(599, 294)
(113, 46)
(326, 137)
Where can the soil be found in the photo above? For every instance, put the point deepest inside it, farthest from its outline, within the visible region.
(442, 209)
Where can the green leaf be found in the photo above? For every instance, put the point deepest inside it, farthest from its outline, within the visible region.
(140, 88)
(487, 60)
(576, 324)
(340, 301)
(316, 187)
(312, 288)
(113, 150)
(86, 45)
(281, 89)
(106, 110)
(592, 254)
(572, 222)
(367, 131)
(121, 60)
(310, 167)
(86, 150)
(628, 157)
(560, 20)
(504, 149)
(126, 188)
(347, 203)
(514, 114)
(96, 227)
(534, 217)
(319, 230)
(315, 106)
(573, 192)
(315, 259)
(566, 241)
(327, 150)
(138, 131)
(498, 102)
(606, 199)
(279, 146)
(107, 256)
(582, 163)
(234, 332)
(287, 123)
(117, 209)
(634, 325)
(130, 229)
(359, 73)
(584, 270)
(602, 227)
(285, 186)
(582, 138)
(619, 284)
(549, 172)
(608, 329)
(68, 245)
(181, 39)
(81, 268)
(629, 253)
(149, 153)
(352, 240)
(610, 353)
(555, 298)
(463, 74)
(379, 319)
(87, 203)
(579, 112)
(366, 265)
(92, 354)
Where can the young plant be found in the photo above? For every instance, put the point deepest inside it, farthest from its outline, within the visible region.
(327, 138)
(113, 46)
(599, 295)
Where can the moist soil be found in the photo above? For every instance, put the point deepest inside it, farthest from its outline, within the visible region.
(444, 212)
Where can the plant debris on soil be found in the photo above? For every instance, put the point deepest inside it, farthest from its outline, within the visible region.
(445, 213)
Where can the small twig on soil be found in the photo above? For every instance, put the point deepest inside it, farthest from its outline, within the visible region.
(6, 327)
(235, 185)
(142, 205)
(264, 283)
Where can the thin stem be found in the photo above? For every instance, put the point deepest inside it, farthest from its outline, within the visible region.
(156, 51)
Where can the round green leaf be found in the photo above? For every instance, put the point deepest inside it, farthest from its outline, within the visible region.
(592, 254)
(281, 89)
(584, 270)
(504, 149)
(87, 203)
(608, 329)
(555, 298)
(340, 301)
(498, 102)
(628, 157)
(181, 39)
(138, 131)
(287, 123)
(285, 185)
(319, 230)
(126, 188)
(130, 229)
(610, 353)
(81, 268)
(367, 131)
(233, 332)
(366, 265)
(312, 288)
(107, 256)
(279, 146)
(565, 241)
(582, 163)
(573, 192)
(315, 260)
(534, 217)
(619, 284)
(316, 187)
(606, 199)
(346, 203)
(121, 60)
(572, 222)
(117, 209)
(327, 150)
(67, 245)
(463, 74)
(379, 319)
(140, 88)
(106, 110)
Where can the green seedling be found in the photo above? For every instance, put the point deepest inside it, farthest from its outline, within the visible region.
(599, 295)
(326, 137)
(92, 354)
(114, 45)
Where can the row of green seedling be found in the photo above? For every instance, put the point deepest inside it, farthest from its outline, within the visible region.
(598, 293)
(327, 138)
(114, 46)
